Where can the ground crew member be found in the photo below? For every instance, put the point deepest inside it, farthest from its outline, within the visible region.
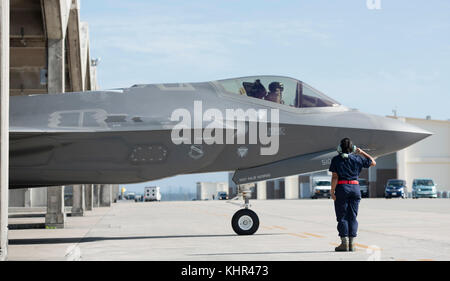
(345, 190)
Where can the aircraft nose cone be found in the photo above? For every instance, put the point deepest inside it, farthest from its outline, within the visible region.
(399, 134)
(406, 127)
(413, 136)
(411, 130)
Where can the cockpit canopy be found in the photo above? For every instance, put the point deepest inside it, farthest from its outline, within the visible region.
(278, 89)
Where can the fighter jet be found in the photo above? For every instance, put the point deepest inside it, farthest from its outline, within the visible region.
(261, 127)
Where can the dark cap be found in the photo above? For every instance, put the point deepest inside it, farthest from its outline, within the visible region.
(276, 85)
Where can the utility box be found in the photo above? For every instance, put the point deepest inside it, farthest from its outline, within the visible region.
(152, 193)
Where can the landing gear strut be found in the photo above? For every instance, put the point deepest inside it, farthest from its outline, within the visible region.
(245, 221)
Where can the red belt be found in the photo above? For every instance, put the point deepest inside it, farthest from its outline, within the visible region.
(348, 182)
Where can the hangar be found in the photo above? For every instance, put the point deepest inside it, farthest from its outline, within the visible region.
(428, 158)
(44, 50)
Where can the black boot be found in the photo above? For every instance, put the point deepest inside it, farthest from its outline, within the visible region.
(344, 245)
(351, 244)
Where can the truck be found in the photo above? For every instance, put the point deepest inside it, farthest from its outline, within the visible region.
(320, 187)
(152, 193)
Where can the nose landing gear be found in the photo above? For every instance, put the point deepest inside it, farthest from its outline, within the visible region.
(245, 221)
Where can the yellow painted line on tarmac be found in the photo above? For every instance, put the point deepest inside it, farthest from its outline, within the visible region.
(313, 235)
(217, 215)
(221, 215)
(266, 227)
(298, 235)
(279, 227)
(367, 247)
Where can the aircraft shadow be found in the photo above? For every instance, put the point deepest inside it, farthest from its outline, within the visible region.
(34, 241)
(263, 253)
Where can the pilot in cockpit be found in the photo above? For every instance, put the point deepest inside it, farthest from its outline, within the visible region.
(275, 92)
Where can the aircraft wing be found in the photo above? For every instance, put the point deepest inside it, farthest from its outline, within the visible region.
(292, 166)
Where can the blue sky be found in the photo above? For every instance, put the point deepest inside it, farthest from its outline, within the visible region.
(374, 60)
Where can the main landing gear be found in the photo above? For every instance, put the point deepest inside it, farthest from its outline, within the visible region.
(245, 221)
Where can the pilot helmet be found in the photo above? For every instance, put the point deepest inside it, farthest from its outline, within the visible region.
(275, 85)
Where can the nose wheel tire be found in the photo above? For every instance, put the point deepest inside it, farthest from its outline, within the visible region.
(245, 222)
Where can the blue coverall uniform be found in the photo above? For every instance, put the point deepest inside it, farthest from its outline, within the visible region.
(348, 196)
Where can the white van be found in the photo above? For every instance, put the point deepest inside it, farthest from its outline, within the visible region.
(320, 187)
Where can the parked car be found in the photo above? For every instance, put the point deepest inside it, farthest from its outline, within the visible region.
(423, 188)
(395, 188)
(364, 187)
(222, 195)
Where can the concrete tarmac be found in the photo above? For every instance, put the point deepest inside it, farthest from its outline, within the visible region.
(395, 229)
